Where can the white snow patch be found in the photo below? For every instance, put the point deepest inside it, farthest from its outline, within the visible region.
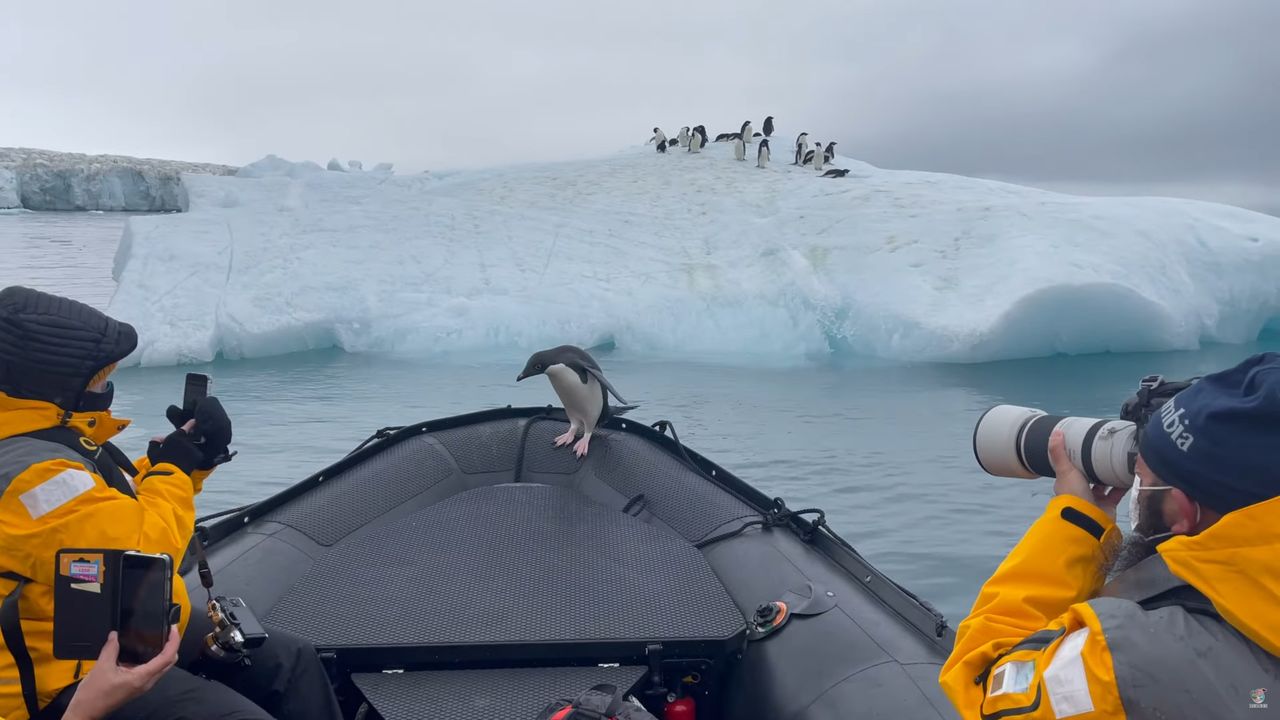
(274, 166)
(688, 256)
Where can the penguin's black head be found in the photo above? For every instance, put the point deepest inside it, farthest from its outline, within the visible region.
(655, 130)
(537, 365)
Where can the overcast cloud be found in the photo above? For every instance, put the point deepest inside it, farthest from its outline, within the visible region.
(1163, 96)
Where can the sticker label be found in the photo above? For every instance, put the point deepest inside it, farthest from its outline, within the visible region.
(1066, 680)
(1012, 678)
(82, 568)
(56, 492)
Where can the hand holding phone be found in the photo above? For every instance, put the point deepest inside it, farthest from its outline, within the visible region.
(212, 429)
(109, 685)
(97, 591)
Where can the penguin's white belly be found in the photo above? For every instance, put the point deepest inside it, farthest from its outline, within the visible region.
(582, 402)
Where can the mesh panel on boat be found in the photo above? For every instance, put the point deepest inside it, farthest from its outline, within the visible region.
(680, 497)
(518, 563)
(541, 455)
(344, 503)
(486, 447)
(484, 694)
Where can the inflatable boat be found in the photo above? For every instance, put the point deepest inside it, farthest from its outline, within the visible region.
(466, 568)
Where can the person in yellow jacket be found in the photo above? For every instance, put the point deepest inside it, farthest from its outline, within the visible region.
(1188, 625)
(62, 484)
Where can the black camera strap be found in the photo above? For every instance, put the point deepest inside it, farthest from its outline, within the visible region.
(202, 563)
(11, 630)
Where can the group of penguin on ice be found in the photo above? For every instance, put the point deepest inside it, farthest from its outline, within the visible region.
(694, 139)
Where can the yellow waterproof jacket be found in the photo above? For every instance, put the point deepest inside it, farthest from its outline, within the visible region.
(1047, 639)
(52, 499)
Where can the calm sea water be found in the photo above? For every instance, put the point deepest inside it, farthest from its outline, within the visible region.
(885, 449)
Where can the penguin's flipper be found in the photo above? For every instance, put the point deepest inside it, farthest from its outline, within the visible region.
(604, 382)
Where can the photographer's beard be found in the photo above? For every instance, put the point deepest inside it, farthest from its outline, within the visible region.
(1139, 545)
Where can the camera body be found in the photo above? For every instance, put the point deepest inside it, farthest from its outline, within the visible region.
(236, 630)
(1013, 441)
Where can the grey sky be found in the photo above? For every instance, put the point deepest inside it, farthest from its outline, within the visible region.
(1167, 96)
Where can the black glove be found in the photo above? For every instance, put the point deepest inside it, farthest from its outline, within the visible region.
(212, 432)
(176, 449)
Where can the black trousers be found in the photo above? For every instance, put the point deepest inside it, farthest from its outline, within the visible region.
(285, 682)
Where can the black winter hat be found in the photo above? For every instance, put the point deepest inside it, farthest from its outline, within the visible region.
(51, 346)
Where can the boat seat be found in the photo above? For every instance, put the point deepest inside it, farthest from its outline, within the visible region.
(484, 694)
(511, 574)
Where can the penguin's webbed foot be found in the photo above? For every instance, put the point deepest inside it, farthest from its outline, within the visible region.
(568, 437)
(581, 448)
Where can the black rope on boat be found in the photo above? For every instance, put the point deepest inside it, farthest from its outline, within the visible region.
(381, 434)
(663, 426)
(223, 513)
(779, 516)
(524, 435)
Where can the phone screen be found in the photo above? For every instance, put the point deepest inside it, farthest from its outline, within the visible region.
(195, 389)
(144, 606)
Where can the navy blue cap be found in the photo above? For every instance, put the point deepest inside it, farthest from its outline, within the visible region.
(1219, 440)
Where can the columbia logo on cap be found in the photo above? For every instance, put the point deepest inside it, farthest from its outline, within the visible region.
(1173, 424)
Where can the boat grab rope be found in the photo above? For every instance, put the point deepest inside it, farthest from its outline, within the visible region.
(778, 517)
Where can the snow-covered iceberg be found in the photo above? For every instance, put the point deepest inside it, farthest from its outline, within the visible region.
(48, 180)
(10, 196)
(687, 256)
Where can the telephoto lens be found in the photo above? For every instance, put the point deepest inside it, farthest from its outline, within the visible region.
(1013, 441)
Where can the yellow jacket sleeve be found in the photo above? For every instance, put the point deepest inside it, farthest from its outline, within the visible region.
(143, 466)
(1031, 647)
(59, 503)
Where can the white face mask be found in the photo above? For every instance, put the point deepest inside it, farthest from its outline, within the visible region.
(1134, 505)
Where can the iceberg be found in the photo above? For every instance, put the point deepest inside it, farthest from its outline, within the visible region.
(685, 256)
(47, 180)
(10, 195)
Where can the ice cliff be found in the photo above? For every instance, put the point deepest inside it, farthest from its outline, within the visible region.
(47, 180)
(691, 256)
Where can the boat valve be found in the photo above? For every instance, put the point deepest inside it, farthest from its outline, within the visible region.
(768, 618)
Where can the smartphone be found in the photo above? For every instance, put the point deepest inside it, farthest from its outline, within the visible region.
(146, 593)
(196, 389)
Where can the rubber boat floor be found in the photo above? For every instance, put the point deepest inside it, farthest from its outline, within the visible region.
(484, 694)
(518, 573)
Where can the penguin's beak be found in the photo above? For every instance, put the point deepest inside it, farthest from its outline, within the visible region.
(519, 377)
